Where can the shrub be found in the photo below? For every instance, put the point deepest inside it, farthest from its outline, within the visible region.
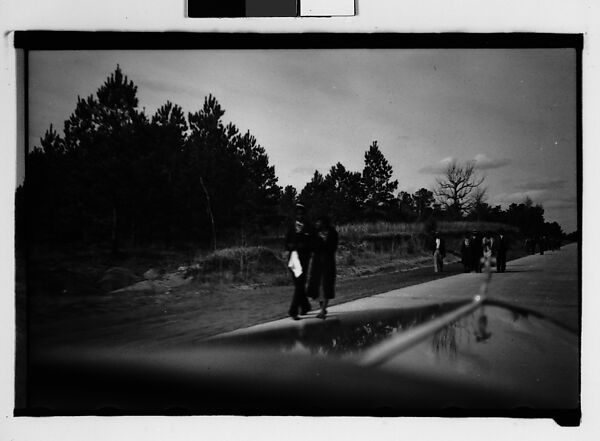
(238, 263)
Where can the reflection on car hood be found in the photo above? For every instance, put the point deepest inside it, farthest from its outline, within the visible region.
(494, 356)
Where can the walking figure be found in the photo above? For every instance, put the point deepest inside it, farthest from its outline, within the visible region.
(542, 241)
(299, 242)
(466, 253)
(501, 249)
(439, 252)
(487, 245)
(321, 283)
(476, 252)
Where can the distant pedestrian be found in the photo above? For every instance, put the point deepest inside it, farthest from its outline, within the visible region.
(476, 251)
(501, 245)
(299, 242)
(321, 283)
(466, 254)
(439, 252)
(534, 244)
(487, 245)
(542, 244)
(529, 246)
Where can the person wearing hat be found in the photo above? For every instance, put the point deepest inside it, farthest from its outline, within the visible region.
(299, 241)
(466, 253)
(501, 248)
(321, 282)
(439, 252)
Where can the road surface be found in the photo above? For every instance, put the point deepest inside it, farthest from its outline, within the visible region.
(546, 283)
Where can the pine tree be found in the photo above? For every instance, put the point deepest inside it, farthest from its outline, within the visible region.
(287, 201)
(101, 145)
(316, 195)
(377, 185)
(345, 193)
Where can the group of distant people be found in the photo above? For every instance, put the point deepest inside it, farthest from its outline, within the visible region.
(541, 244)
(311, 262)
(474, 250)
(312, 250)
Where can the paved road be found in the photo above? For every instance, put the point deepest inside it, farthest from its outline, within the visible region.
(546, 283)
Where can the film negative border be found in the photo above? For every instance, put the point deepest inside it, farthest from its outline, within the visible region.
(269, 8)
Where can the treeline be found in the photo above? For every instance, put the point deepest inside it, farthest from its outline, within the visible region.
(121, 177)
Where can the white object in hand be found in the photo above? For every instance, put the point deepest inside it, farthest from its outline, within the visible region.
(294, 264)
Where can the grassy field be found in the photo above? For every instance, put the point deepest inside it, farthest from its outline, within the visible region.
(364, 248)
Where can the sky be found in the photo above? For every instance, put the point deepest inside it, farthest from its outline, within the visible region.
(512, 111)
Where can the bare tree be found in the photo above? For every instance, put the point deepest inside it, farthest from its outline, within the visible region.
(458, 189)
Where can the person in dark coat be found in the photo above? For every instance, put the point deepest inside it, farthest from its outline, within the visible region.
(476, 251)
(533, 243)
(438, 246)
(501, 244)
(466, 254)
(528, 246)
(322, 273)
(542, 244)
(299, 238)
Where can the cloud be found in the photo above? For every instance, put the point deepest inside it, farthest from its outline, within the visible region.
(547, 184)
(304, 170)
(561, 203)
(537, 196)
(544, 197)
(483, 162)
(438, 167)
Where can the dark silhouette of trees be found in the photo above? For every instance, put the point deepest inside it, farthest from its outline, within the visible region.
(347, 196)
(573, 236)
(160, 178)
(423, 200)
(345, 193)
(258, 192)
(315, 194)
(210, 171)
(415, 207)
(553, 230)
(406, 206)
(480, 210)
(119, 178)
(337, 194)
(456, 190)
(103, 139)
(529, 218)
(378, 188)
(287, 201)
